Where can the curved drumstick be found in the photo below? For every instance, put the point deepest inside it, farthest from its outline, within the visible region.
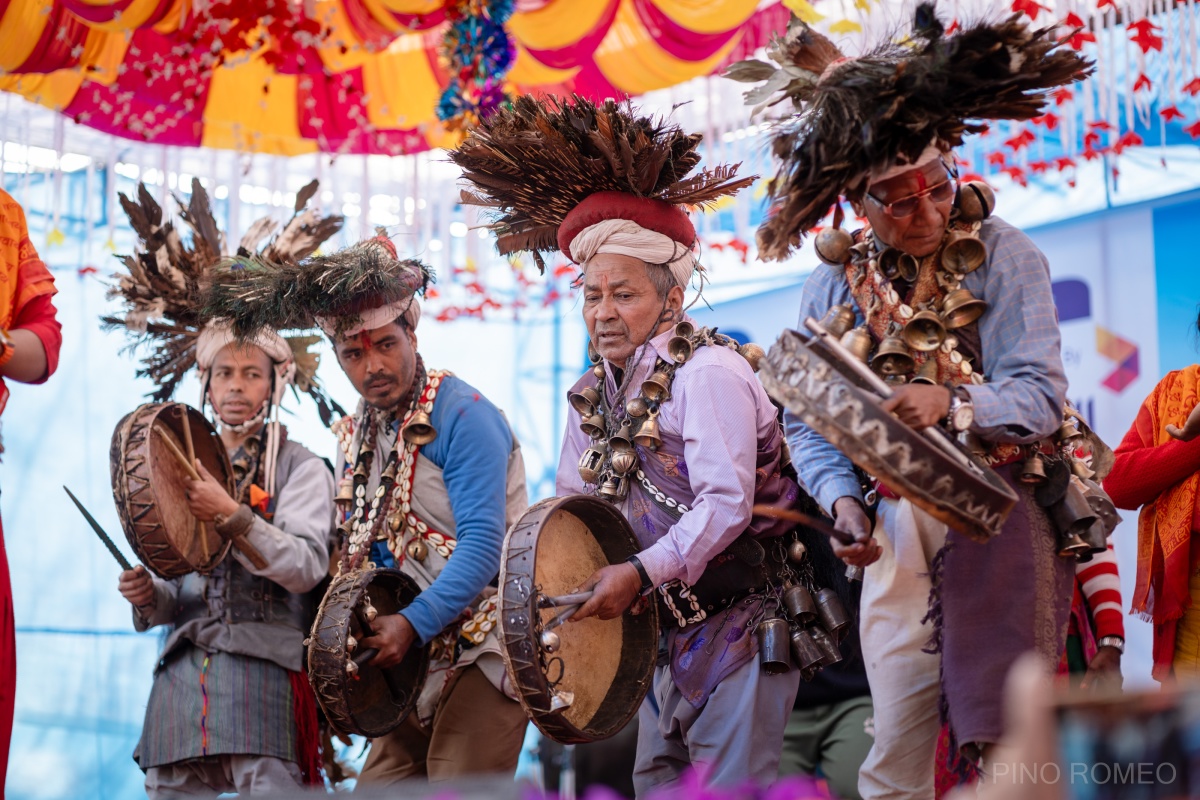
(191, 454)
(249, 550)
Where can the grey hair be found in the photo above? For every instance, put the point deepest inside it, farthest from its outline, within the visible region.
(660, 275)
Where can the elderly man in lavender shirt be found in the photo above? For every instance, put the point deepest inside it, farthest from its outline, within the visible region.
(711, 705)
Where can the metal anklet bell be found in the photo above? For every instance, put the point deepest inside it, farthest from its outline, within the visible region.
(774, 646)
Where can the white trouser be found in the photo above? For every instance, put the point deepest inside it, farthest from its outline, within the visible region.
(904, 680)
(208, 777)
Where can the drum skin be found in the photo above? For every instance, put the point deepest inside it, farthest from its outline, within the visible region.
(829, 398)
(607, 665)
(363, 703)
(149, 488)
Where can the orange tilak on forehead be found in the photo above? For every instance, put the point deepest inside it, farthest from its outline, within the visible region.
(364, 339)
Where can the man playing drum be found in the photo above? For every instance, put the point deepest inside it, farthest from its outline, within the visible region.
(442, 478)
(982, 358)
(230, 709)
(677, 431)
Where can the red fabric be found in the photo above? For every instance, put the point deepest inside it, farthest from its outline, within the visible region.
(8, 662)
(1106, 621)
(1159, 473)
(308, 738)
(651, 214)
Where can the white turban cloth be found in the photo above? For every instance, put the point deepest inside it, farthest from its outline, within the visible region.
(626, 238)
(215, 336)
(888, 171)
(409, 309)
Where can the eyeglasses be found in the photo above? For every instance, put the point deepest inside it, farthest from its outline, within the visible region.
(907, 206)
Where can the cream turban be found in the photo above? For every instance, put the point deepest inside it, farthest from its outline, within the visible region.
(369, 320)
(623, 237)
(217, 334)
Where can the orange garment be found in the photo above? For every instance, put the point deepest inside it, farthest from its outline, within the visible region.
(1161, 592)
(23, 276)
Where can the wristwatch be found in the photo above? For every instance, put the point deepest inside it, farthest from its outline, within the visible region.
(1115, 642)
(961, 413)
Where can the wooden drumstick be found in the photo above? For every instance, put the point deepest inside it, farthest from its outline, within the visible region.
(191, 454)
(248, 550)
(565, 600)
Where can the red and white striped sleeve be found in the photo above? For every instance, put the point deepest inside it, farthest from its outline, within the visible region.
(1101, 586)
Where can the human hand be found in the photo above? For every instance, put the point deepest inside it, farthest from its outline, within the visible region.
(136, 586)
(207, 497)
(919, 406)
(1190, 429)
(614, 588)
(850, 517)
(394, 635)
(1104, 670)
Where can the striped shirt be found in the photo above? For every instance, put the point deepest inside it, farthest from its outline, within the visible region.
(1026, 387)
(1100, 584)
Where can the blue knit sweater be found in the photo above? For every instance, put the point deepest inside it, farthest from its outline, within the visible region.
(472, 449)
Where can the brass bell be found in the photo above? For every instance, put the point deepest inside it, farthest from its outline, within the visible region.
(351, 668)
(622, 440)
(593, 426)
(561, 700)
(684, 329)
(805, 650)
(636, 407)
(679, 348)
(859, 343)
(927, 373)
(799, 604)
(395, 522)
(585, 401)
(960, 308)
(647, 435)
(797, 551)
(345, 493)
(896, 263)
(351, 644)
(976, 201)
(893, 359)
(833, 246)
(924, 332)
(838, 321)
(370, 612)
(657, 387)
(831, 611)
(1068, 433)
(624, 461)
(590, 463)
(417, 550)
(753, 354)
(774, 646)
(1033, 471)
(614, 487)
(598, 371)
(1081, 470)
(418, 429)
(963, 253)
(1072, 545)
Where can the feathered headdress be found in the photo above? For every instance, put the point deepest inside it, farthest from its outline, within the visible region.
(334, 292)
(859, 114)
(165, 281)
(536, 161)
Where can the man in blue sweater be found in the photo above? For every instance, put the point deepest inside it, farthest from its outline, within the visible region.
(459, 482)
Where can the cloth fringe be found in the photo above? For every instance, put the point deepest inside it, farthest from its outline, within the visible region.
(308, 737)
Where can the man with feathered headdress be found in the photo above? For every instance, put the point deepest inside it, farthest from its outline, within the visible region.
(238, 630)
(984, 358)
(675, 428)
(445, 477)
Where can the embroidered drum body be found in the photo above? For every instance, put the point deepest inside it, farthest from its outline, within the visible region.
(149, 486)
(969, 497)
(604, 667)
(361, 699)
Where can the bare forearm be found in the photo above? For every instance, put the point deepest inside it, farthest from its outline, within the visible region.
(28, 363)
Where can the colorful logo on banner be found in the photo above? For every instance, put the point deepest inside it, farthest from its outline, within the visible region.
(1072, 298)
(1122, 351)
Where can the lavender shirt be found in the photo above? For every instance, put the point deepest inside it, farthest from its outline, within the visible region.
(716, 430)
